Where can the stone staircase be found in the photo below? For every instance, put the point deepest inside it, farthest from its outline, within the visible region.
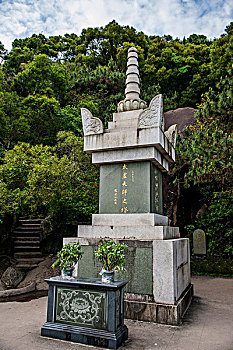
(27, 243)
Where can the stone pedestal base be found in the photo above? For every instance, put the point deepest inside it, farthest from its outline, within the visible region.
(157, 267)
(159, 313)
(96, 337)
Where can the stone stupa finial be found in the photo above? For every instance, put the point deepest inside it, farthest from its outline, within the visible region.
(132, 99)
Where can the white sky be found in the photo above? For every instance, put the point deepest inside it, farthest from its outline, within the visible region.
(179, 18)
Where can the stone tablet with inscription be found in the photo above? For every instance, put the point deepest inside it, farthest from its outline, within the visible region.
(199, 242)
(130, 188)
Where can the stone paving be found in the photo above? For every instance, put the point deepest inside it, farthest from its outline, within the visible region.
(208, 324)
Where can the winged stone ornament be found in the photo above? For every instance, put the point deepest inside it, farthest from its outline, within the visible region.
(171, 134)
(152, 116)
(91, 125)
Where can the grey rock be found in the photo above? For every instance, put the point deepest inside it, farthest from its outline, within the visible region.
(199, 242)
(12, 277)
(17, 291)
(183, 117)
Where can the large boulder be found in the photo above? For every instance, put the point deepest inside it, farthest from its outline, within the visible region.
(5, 262)
(40, 273)
(183, 117)
(178, 206)
(12, 277)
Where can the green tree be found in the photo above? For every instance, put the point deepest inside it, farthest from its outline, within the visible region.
(205, 162)
(59, 182)
(221, 55)
(3, 52)
(43, 77)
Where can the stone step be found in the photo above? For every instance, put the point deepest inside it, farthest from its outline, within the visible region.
(27, 243)
(26, 232)
(30, 221)
(32, 261)
(27, 255)
(29, 226)
(25, 248)
(25, 266)
(26, 240)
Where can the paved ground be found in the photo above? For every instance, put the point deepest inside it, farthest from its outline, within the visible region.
(208, 325)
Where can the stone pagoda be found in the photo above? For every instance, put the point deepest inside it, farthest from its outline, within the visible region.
(133, 154)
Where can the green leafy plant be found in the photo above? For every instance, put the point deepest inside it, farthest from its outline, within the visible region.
(69, 255)
(111, 255)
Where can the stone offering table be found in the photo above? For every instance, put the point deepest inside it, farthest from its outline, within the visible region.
(133, 154)
(86, 311)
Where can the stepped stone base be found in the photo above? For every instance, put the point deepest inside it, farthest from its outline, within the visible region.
(131, 154)
(157, 312)
(129, 232)
(159, 268)
(129, 220)
(93, 337)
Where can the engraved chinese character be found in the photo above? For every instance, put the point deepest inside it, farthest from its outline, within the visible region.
(124, 176)
(124, 192)
(156, 171)
(157, 208)
(124, 210)
(156, 185)
(124, 201)
(156, 178)
(132, 175)
(157, 194)
(124, 184)
(115, 190)
(124, 166)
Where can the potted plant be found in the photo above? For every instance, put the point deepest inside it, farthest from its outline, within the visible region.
(111, 255)
(68, 256)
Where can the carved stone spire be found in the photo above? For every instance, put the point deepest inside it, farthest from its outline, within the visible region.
(132, 99)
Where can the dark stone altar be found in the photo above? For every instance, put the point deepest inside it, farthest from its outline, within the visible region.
(86, 311)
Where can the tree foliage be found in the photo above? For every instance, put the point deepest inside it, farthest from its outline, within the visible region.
(205, 162)
(40, 180)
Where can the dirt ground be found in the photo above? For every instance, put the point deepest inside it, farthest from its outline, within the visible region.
(208, 324)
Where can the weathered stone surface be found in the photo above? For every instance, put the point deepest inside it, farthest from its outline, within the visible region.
(141, 219)
(17, 291)
(12, 277)
(132, 155)
(171, 269)
(129, 232)
(130, 138)
(157, 268)
(138, 265)
(171, 134)
(183, 117)
(91, 125)
(199, 242)
(39, 274)
(130, 188)
(152, 116)
(142, 310)
(5, 262)
(132, 99)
